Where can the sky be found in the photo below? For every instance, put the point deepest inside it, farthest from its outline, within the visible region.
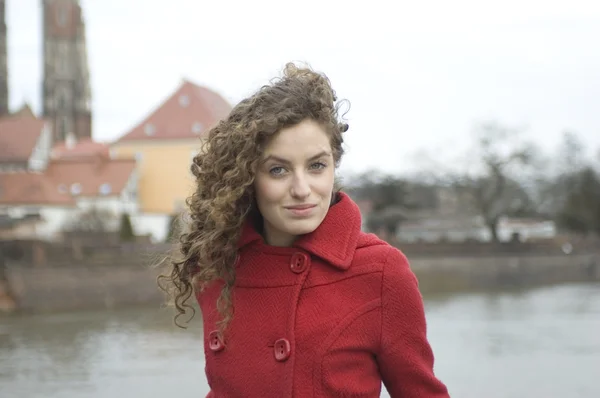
(419, 75)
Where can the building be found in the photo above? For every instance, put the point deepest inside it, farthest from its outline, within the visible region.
(60, 198)
(3, 61)
(72, 148)
(45, 192)
(25, 143)
(50, 167)
(163, 144)
(464, 229)
(66, 93)
(453, 220)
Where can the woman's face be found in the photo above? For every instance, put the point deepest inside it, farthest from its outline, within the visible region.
(294, 182)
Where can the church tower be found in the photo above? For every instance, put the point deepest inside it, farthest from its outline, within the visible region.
(66, 94)
(3, 61)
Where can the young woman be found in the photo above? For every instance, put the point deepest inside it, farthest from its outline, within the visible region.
(296, 300)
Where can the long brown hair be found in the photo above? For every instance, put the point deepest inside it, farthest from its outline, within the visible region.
(224, 171)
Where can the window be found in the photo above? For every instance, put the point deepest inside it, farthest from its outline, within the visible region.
(76, 189)
(63, 128)
(63, 64)
(62, 15)
(63, 51)
(61, 100)
(133, 194)
(49, 102)
(184, 100)
(149, 129)
(105, 189)
(197, 128)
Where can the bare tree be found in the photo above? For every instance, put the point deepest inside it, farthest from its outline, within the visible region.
(581, 210)
(491, 186)
(576, 188)
(392, 198)
(562, 176)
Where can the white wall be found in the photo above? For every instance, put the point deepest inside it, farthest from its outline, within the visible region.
(112, 204)
(129, 196)
(452, 229)
(435, 231)
(156, 225)
(41, 153)
(53, 218)
(526, 231)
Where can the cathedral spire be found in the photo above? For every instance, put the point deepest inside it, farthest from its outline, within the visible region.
(3, 61)
(66, 94)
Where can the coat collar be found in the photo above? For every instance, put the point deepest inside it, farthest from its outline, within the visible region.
(334, 241)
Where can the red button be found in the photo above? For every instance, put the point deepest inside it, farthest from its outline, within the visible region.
(299, 262)
(283, 349)
(214, 341)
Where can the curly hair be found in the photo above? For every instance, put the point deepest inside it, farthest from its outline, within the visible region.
(224, 172)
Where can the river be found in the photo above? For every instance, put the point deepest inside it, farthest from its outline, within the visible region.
(537, 343)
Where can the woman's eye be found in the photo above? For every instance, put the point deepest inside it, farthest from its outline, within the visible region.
(277, 170)
(317, 166)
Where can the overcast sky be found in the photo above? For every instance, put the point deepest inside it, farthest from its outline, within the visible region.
(419, 74)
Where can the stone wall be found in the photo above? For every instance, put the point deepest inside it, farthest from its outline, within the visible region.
(70, 287)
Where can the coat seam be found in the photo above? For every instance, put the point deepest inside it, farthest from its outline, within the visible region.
(382, 287)
(331, 338)
(348, 277)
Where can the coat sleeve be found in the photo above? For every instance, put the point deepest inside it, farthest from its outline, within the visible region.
(405, 357)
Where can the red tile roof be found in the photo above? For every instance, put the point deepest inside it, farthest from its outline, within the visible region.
(31, 189)
(55, 185)
(83, 148)
(187, 113)
(91, 174)
(18, 136)
(25, 110)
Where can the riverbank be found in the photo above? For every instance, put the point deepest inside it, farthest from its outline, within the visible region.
(42, 289)
(466, 273)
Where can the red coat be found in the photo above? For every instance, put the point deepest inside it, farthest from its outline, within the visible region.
(332, 316)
